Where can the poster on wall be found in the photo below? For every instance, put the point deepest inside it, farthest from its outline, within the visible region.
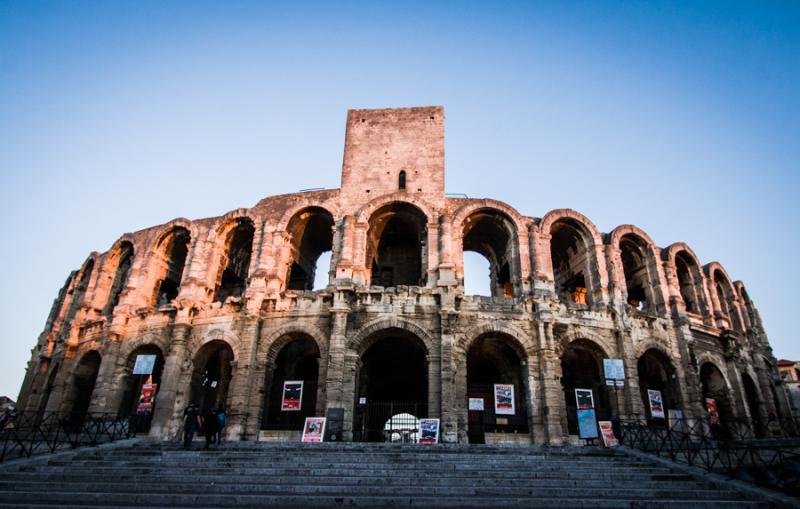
(656, 404)
(711, 404)
(313, 429)
(144, 365)
(428, 431)
(292, 395)
(504, 399)
(146, 398)
(607, 432)
(587, 423)
(615, 370)
(476, 404)
(584, 399)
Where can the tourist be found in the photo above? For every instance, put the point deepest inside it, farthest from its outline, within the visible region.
(222, 419)
(210, 425)
(190, 425)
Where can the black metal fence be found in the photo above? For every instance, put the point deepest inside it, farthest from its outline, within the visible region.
(731, 450)
(396, 422)
(25, 434)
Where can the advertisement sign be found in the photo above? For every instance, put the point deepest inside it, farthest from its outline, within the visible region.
(675, 419)
(147, 398)
(711, 404)
(504, 399)
(314, 429)
(607, 432)
(476, 404)
(429, 431)
(144, 365)
(292, 395)
(584, 399)
(614, 369)
(656, 404)
(587, 424)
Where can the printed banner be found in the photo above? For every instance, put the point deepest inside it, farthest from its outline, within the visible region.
(146, 398)
(587, 424)
(584, 399)
(711, 404)
(656, 404)
(314, 429)
(675, 419)
(504, 399)
(476, 404)
(144, 365)
(292, 395)
(607, 432)
(614, 368)
(428, 431)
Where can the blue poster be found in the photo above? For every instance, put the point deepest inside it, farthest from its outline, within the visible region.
(587, 424)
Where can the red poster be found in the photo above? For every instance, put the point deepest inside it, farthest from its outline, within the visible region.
(607, 432)
(314, 429)
(146, 398)
(292, 396)
(711, 404)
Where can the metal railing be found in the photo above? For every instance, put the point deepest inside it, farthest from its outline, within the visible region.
(25, 434)
(731, 450)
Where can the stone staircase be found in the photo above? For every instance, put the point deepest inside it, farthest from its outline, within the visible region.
(291, 475)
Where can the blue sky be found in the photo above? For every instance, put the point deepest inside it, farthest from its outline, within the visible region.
(679, 117)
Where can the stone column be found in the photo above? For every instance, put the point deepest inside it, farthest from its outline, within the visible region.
(242, 387)
(169, 408)
(335, 372)
(553, 406)
(449, 414)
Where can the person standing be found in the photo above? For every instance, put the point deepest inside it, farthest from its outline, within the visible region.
(210, 425)
(190, 425)
(222, 418)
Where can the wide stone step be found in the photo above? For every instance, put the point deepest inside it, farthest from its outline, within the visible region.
(89, 499)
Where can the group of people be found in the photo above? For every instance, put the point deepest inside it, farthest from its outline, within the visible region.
(211, 422)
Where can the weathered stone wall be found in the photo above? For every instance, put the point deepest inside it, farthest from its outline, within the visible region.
(343, 320)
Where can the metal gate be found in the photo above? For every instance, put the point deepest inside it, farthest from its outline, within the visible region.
(390, 421)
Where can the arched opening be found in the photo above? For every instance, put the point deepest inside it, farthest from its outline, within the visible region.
(754, 406)
(297, 361)
(727, 300)
(715, 388)
(170, 258)
(311, 234)
(235, 262)
(396, 246)
(492, 235)
(571, 263)
(493, 361)
(392, 379)
(132, 385)
(749, 308)
(581, 369)
(78, 293)
(125, 260)
(634, 254)
(657, 373)
(79, 396)
(401, 180)
(211, 376)
(689, 281)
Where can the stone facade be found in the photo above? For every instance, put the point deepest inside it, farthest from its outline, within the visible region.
(227, 304)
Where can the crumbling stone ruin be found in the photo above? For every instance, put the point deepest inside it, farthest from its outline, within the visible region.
(228, 307)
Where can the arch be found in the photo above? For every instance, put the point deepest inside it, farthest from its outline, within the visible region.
(310, 234)
(638, 256)
(396, 245)
(367, 211)
(496, 327)
(235, 255)
(494, 235)
(401, 180)
(728, 304)
(581, 368)
(130, 385)
(197, 342)
(657, 372)
(78, 293)
(211, 375)
(715, 386)
(167, 262)
(688, 277)
(365, 336)
(121, 260)
(748, 310)
(755, 405)
(572, 246)
(79, 395)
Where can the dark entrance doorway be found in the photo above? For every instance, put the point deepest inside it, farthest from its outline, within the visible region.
(392, 389)
(496, 360)
(211, 376)
(298, 360)
(755, 406)
(80, 395)
(656, 373)
(715, 387)
(581, 369)
(133, 386)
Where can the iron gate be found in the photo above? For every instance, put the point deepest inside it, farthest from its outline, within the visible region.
(390, 421)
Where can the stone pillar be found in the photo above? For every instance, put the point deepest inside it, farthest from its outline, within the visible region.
(242, 386)
(433, 253)
(335, 373)
(449, 414)
(553, 406)
(169, 409)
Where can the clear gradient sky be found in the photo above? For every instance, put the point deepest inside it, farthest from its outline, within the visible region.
(679, 117)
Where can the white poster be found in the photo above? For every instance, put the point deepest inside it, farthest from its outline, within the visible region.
(144, 365)
(504, 399)
(614, 368)
(656, 404)
(476, 404)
